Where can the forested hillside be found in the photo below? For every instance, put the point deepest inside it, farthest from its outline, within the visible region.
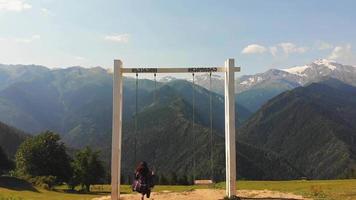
(166, 138)
(312, 127)
(10, 139)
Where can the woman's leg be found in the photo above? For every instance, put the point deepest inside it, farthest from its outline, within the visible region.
(148, 194)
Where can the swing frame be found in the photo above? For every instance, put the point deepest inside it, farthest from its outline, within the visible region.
(230, 135)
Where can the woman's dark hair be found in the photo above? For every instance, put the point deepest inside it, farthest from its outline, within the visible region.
(142, 168)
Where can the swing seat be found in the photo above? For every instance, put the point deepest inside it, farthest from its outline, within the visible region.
(203, 182)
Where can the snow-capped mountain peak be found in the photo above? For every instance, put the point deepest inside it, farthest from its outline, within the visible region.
(281, 78)
(320, 66)
(297, 70)
(301, 75)
(328, 63)
(252, 80)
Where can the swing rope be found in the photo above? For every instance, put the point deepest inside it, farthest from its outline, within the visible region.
(194, 133)
(211, 129)
(155, 102)
(136, 121)
(155, 94)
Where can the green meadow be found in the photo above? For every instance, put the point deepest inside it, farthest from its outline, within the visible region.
(321, 189)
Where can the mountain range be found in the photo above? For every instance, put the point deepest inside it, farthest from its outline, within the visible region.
(255, 90)
(77, 103)
(81, 113)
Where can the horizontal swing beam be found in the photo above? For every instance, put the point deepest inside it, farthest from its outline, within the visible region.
(178, 70)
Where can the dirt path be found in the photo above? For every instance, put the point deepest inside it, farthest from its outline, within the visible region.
(209, 194)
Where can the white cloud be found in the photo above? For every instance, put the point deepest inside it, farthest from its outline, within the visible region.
(342, 53)
(36, 37)
(321, 45)
(273, 50)
(254, 49)
(281, 49)
(289, 48)
(46, 12)
(14, 5)
(285, 48)
(20, 39)
(79, 58)
(119, 38)
(28, 40)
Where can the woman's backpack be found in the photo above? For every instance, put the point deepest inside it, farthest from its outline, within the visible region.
(142, 184)
(139, 186)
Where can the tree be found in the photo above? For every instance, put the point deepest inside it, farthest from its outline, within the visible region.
(87, 168)
(43, 155)
(162, 180)
(172, 178)
(75, 179)
(5, 163)
(183, 180)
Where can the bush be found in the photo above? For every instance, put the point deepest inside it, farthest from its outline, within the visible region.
(46, 182)
(183, 180)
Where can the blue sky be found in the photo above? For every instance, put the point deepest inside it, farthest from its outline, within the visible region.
(259, 34)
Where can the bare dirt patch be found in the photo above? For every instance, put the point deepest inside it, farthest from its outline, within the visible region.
(210, 194)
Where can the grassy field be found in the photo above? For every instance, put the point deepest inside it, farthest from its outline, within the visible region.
(328, 190)
(321, 189)
(60, 193)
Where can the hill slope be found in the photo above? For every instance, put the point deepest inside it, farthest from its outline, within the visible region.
(165, 137)
(312, 127)
(10, 139)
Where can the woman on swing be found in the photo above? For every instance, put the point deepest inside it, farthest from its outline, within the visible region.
(143, 182)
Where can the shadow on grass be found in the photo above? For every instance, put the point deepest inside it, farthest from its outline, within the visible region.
(13, 183)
